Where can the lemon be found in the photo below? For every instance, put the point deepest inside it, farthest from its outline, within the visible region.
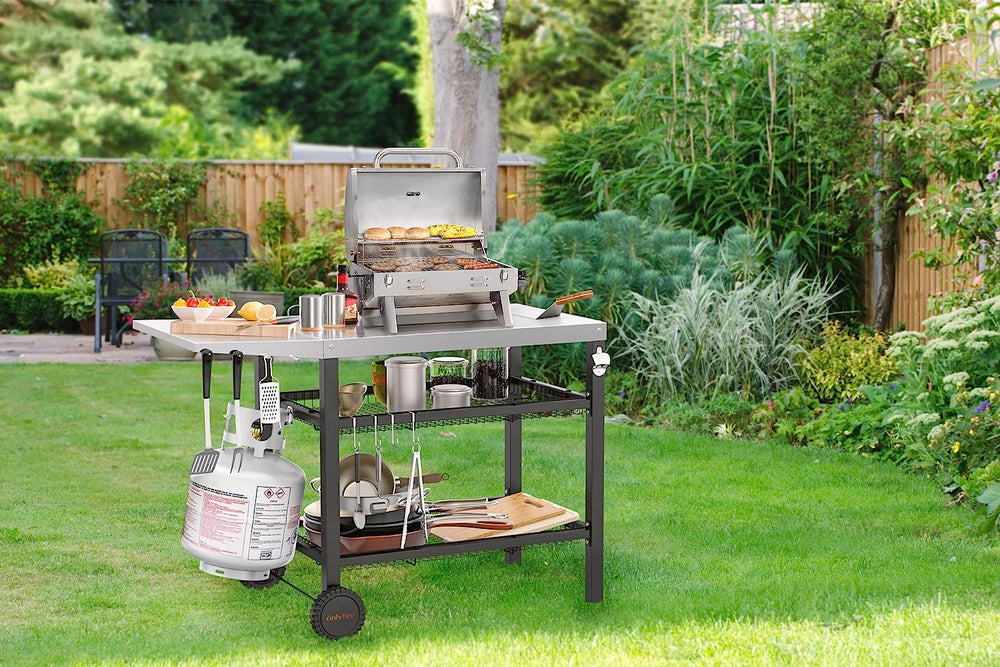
(248, 310)
(266, 313)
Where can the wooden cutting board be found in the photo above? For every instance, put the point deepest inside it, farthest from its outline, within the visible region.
(455, 534)
(233, 327)
(522, 509)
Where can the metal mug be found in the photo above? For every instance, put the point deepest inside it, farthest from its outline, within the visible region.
(310, 312)
(333, 310)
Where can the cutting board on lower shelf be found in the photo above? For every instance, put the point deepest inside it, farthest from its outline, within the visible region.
(455, 534)
(233, 327)
(522, 509)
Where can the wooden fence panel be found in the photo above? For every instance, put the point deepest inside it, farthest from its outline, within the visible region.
(241, 188)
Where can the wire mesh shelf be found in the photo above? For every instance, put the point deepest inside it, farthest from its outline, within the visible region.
(526, 399)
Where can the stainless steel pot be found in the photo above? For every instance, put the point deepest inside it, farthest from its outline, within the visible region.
(450, 396)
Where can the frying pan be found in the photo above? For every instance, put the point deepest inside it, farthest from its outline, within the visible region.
(556, 308)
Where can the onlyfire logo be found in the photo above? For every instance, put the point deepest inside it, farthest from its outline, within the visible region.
(346, 616)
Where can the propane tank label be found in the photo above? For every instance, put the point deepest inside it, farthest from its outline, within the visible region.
(269, 531)
(216, 520)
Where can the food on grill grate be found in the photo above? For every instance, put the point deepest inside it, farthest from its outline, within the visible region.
(378, 234)
(417, 233)
(447, 267)
(397, 232)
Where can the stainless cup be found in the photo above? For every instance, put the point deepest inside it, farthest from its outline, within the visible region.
(333, 310)
(310, 312)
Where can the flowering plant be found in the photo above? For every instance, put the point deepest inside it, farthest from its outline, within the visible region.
(967, 210)
(153, 303)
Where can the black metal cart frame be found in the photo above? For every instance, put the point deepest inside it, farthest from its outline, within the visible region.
(528, 398)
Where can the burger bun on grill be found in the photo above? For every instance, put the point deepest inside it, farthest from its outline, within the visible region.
(417, 233)
(398, 232)
(378, 234)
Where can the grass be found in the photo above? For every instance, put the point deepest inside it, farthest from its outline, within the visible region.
(717, 552)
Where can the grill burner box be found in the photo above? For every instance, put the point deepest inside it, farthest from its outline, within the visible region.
(402, 281)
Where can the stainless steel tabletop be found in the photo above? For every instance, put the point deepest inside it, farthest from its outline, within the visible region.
(345, 343)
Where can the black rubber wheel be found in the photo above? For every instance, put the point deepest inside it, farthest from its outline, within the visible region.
(338, 612)
(273, 577)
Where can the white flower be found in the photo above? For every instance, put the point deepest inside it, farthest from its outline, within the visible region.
(957, 379)
(925, 419)
(939, 345)
(905, 338)
(960, 324)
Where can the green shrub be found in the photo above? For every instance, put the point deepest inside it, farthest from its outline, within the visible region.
(711, 341)
(77, 297)
(865, 424)
(313, 259)
(158, 190)
(34, 229)
(53, 273)
(948, 418)
(33, 310)
(841, 364)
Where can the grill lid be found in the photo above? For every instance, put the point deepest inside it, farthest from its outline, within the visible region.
(408, 197)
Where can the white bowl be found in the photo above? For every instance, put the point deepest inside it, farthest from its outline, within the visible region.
(219, 312)
(193, 314)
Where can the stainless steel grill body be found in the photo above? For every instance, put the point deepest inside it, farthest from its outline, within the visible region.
(398, 281)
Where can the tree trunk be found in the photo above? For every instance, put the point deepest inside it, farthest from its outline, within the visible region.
(466, 94)
(887, 269)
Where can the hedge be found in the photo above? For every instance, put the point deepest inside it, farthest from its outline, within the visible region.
(32, 310)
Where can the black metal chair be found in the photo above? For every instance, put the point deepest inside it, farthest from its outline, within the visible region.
(216, 250)
(131, 259)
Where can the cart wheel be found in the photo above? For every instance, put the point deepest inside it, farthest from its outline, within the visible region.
(338, 612)
(273, 577)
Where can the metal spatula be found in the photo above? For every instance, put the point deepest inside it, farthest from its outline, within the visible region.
(556, 308)
(205, 460)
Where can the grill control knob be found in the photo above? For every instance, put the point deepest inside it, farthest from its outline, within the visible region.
(504, 275)
(388, 280)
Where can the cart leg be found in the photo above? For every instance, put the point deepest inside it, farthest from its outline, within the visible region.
(594, 555)
(329, 469)
(512, 448)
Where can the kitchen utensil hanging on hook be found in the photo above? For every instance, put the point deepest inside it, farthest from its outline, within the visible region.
(205, 460)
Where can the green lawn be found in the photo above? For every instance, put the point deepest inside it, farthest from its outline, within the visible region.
(717, 552)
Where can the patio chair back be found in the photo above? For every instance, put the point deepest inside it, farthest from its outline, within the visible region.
(131, 259)
(216, 250)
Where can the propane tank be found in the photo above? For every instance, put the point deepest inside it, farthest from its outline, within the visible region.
(242, 517)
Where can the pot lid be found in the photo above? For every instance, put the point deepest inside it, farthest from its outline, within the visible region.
(404, 361)
(312, 510)
(451, 389)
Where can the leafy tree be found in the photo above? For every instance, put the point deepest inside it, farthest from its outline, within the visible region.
(73, 83)
(558, 56)
(355, 60)
(772, 132)
(356, 67)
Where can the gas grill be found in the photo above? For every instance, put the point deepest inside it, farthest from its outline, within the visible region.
(403, 281)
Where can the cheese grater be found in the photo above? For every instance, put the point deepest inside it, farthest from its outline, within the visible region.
(267, 400)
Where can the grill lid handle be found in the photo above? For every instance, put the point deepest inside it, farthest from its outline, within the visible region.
(377, 162)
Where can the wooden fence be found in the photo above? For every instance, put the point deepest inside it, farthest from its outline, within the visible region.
(242, 187)
(916, 284)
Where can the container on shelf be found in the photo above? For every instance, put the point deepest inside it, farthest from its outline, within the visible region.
(405, 384)
(489, 373)
(450, 396)
(449, 370)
